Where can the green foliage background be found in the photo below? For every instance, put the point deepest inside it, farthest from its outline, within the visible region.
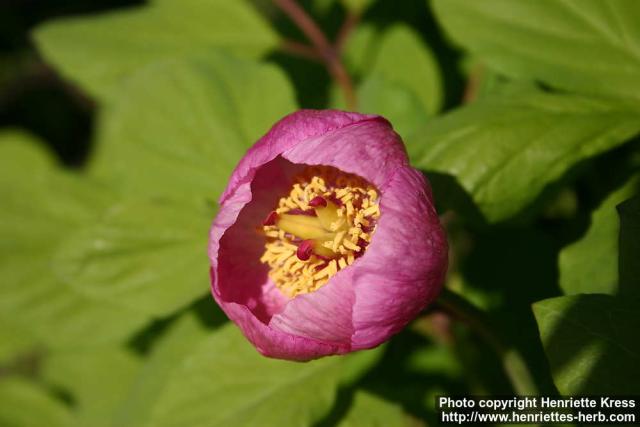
(121, 121)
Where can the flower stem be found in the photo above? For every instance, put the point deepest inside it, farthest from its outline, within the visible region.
(327, 52)
(512, 362)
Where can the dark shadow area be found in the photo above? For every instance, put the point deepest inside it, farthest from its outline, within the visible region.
(419, 15)
(32, 96)
(341, 405)
(204, 308)
(603, 329)
(412, 371)
(450, 195)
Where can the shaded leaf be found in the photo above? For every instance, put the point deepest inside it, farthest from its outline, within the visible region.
(590, 265)
(505, 150)
(554, 41)
(591, 342)
(629, 267)
(98, 51)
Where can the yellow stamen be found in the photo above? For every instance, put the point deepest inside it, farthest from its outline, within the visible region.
(346, 211)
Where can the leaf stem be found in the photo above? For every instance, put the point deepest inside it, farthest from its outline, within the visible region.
(512, 362)
(327, 52)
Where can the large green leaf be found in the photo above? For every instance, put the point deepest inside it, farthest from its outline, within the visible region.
(505, 150)
(590, 46)
(41, 206)
(96, 379)
(167, 355)
(405, 60)
(368, 410)
(169, 142)
(400, 77)
(24, 404)
(224, 381)
(590, 265)
(198, 377)
(179, 127)
(98, 51)
(148, 256)
(591, 342)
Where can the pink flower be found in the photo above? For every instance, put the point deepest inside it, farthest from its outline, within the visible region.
(326, 240)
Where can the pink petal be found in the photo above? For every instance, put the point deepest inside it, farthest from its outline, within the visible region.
(272, 342)
(236, 242)
(324, 314)
(288, 132)
(405, 264)
(370, 149)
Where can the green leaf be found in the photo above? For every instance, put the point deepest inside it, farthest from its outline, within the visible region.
(401, 80)
(591, 342)
(357, 6)
(170, 352)
(179, 127)
(361, 48)
(98, 51)
(505, 150)
(553, 41)
(148, 256)
(97, 380)
(368, 410)
(24, 404)
(578, 271)
(169, 142)
(41, 207)
(378, 95)
(629, 268)
(224, 381)
(405, 60)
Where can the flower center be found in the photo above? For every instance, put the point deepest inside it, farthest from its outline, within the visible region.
(321, 227)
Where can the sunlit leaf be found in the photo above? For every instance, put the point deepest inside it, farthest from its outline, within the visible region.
(24, 404)
(179, 127)
(591, 342)
(169, 143)
(169, 352)
(578, 271)
(590, 46)
(504, 150)
(96, 379)
(148, 256)
(199, 378)
(405, 60)
(368, 410)
(98, 51)
(41, 206)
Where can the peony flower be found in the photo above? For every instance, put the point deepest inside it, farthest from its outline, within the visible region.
(326, 240)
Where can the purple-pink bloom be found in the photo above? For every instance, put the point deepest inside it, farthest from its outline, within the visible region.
(338, 262)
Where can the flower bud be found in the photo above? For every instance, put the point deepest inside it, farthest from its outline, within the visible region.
(326, 240)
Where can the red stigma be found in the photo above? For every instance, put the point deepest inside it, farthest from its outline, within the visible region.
(305, 250)
(317, 202)
(270, 219)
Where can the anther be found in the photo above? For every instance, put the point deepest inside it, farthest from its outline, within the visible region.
(271, 218)
(318, 201)
(305, 250)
